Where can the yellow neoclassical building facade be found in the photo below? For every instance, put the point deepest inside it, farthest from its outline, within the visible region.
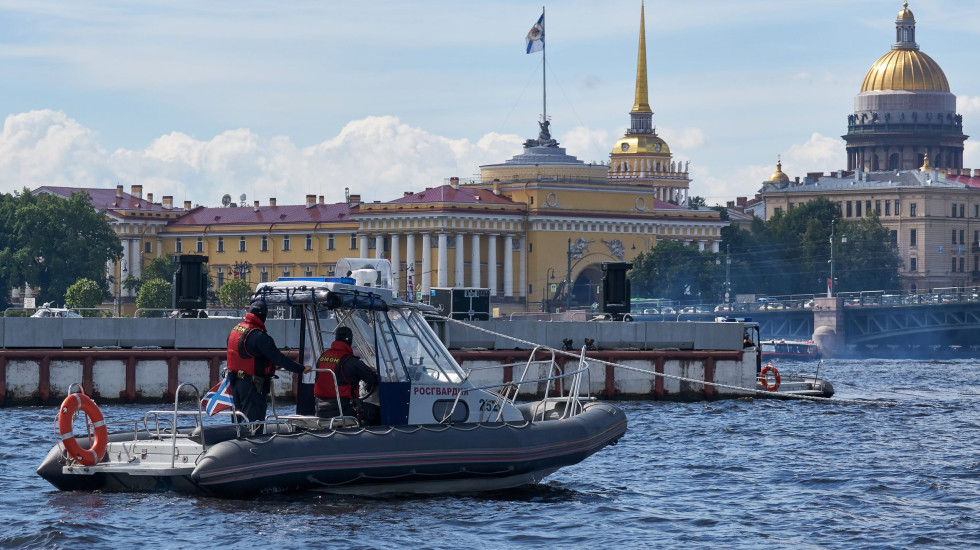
(523, 229)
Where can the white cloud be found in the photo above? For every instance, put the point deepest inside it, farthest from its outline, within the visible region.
(378, 157)
(968, 105)
(683, 139)
(586, 144)
(971, 155)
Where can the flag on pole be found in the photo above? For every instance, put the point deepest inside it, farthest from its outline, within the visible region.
(535, 37)
(218, 398)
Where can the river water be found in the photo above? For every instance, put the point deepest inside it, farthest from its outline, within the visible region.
(749, 473)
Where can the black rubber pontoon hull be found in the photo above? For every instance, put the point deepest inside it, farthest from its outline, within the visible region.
(408, 458)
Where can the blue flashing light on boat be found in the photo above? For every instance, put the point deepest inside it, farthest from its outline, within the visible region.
(313, 279)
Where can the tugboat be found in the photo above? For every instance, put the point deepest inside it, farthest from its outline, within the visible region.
(440, 431)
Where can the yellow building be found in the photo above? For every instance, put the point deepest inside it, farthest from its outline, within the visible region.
(523, 228)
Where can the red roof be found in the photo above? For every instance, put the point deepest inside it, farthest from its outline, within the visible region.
(106, 198)
(969, 181)
(448, 193)
(298, 213)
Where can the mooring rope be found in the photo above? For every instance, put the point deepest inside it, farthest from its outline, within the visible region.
(665, 375)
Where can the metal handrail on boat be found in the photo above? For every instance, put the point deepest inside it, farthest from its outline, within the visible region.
(336, 392)
(161, 415)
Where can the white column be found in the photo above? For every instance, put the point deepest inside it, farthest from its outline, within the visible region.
(701, 246)
(460, 276)
(410, 261)
(523, 267)
(714, 247)
(492, 264)
(442, 278)
(508, 265)
(159, 251)
(379, 246)
(362, 246)
(475, 262)
(396, 260)
(426, 275)
(127, 263)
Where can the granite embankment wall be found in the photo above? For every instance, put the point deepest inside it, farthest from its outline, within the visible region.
(133, 360)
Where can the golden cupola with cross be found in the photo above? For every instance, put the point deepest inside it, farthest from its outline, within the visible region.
(641, 156)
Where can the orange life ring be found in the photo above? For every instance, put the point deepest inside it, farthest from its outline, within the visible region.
(72, 403)
(764, 378)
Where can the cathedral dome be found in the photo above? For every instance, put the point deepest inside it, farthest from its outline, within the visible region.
(907, 70)
(906, 13)
(640, 144)
(779, 175)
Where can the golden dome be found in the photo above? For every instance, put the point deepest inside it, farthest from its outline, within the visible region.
(906, 13)
(779, 175)
(639, 144)
(905, 70)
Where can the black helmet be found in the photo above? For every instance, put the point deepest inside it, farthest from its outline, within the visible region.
(344, 334)
(259, 309)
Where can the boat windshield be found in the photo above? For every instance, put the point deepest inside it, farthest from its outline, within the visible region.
(402, 346)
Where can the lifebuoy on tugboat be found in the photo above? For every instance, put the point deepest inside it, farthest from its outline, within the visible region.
(72, 404)
(764, 377)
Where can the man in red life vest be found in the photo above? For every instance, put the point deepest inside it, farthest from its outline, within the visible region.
(252, 360)
(350, 372)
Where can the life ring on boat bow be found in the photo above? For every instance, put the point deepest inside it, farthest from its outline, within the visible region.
(764, 377)
(72, 404)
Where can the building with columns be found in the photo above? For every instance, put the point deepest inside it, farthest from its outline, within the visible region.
(524, 229)
(904, 111)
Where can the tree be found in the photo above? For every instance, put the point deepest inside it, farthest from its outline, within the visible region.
(162, 267)
(676, 271)
(85, 294)
(51, 242)
(235, 293)
(155, 294)
(695, 202)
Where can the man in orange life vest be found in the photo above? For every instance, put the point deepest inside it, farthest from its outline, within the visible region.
(252, 360)
(350, 372)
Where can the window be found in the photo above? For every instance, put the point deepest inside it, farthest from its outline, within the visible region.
(178, 247)
(331, 269)
(840, 207)
(912, 237)
(309, 271)
(888, 208)
(200, 244)
(867, 207)
(530, 247)
(898, 210)
(241, 243)
(893, 237)
(961, 237)
(330, 241)
(976, 263)
(285, 245)
(309, 242)
(912, 265)
(878, 207)
(221, 245)
(265, 275)
(954, 236)
(963, 210)
(148, 247)
(961, 265)
(953, 269)
(775, 212)
(285, 272)
(353, 241)
(265, 244)
(912, 210)
(221, 277)
(849, 212)
(953, 215)
(976, 210)
(857, 208)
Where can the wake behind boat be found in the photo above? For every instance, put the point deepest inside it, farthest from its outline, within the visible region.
(440, 432)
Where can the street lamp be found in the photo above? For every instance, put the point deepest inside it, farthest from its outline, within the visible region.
(242, 269)
(843, 239)
(568, 278)
(548, 277)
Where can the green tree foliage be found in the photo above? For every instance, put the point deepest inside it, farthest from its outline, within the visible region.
(84, 294)
(235, 293)
(695, 202)
(155, 294)
(678, 272)
(162, 267)
(51, 242)
(790, 253)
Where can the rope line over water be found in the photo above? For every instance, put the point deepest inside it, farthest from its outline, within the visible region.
(558, 351)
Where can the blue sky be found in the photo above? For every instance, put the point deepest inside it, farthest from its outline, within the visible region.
(280, 99)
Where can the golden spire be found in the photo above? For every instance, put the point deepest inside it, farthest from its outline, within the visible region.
(925, 164)
(642, 103)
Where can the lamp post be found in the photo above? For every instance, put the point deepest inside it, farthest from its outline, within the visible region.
(242, 269)
(568, 277)
(549, 276)
(832, 282)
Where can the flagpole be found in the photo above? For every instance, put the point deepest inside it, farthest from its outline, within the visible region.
(544, 72)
